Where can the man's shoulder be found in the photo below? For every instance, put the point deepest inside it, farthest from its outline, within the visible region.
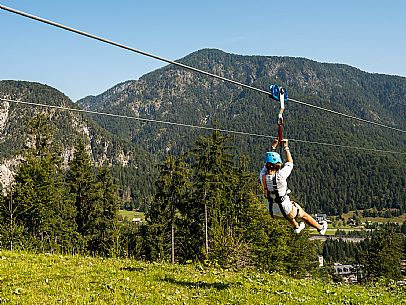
(286, 169)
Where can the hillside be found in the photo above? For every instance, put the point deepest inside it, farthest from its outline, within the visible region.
(129, 164)
(326, 179)
(55, 279)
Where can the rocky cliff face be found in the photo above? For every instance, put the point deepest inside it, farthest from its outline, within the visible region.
(105, 149)
(7, 169)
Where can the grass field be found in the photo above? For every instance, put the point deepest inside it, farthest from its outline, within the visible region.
(347, 228)
(55, 279)
(131, 214)
(400, 219)
(329, 232)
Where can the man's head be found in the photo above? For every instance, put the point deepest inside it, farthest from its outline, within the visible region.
(273, 161)
(272, 157)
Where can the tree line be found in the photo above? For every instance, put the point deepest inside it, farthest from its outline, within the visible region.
(207, 207)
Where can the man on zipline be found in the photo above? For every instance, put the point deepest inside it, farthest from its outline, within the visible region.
(273, 179)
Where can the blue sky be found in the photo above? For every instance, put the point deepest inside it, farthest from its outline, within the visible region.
(367, 34)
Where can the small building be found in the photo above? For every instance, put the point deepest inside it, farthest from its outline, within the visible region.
(351, 222)
(321, 260)
(343, 269)
(320, 217)
(349, 273)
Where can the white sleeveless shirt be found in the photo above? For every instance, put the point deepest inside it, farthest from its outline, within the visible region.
(281, 185)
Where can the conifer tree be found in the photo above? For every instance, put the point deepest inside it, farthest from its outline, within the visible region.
(213, 169)
(96, 200)
(11, 234)
(87, 193)
(170, 200)
(244, 195)
(110, 203)
(40, 202)
(383, 255)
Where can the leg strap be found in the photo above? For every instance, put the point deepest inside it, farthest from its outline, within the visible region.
(270, 205)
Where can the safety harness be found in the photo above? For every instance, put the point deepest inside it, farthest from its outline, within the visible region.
(276, 198)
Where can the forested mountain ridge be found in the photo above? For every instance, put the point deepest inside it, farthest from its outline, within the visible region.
(126, 162)
(328, 179)
(371, 96)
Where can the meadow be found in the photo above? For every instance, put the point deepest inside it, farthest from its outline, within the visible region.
(399, 219)
(129, 215)
(56, 279)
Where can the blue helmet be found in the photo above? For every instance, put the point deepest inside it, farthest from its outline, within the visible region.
(272, 157)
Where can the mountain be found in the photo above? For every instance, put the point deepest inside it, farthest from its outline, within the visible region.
(178, 95)
(326, 178)
(130, 165)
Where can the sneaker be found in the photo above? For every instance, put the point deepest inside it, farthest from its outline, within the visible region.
(323, 229)
(300, 228)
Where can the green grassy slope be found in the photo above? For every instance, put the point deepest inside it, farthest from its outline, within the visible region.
(55, 279)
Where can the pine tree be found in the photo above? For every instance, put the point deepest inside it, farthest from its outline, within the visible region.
(87, 193)
(40, 202)
(383, 254)
(107, 219)
(172, 186)
(243, 208)
(12, 235)
(213, 170)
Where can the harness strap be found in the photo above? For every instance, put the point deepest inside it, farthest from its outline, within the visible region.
(280, 118)
(270, 202)
(278, 199)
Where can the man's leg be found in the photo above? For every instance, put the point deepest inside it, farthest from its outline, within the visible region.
(311, 221)
(294, 223)
(306, 217)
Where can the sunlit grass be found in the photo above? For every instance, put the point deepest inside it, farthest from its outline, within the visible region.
(399, 219)
(129, 215)
(55, 279)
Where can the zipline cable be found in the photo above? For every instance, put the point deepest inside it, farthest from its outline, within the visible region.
(193, 126)
(49, 22)
(347, 115)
